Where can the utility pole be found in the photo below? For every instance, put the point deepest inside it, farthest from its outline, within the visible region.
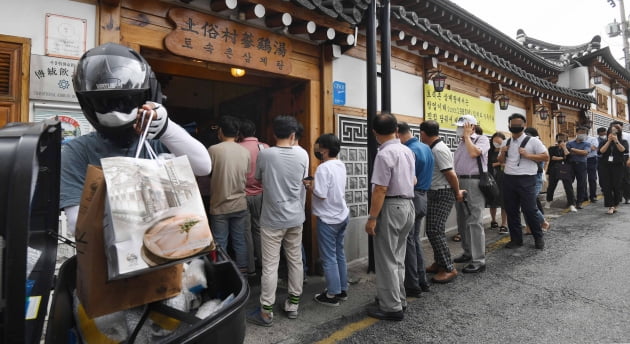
(624, 31)
(624, 34)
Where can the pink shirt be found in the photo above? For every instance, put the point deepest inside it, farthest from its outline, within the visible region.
(253, 186)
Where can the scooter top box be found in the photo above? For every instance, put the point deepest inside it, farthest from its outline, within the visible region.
(30, 155)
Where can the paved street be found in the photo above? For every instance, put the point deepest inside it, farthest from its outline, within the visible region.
(575, 291)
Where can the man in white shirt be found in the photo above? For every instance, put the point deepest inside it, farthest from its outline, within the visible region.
(519, 184)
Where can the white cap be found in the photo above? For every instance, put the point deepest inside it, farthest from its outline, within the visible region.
(466, 119)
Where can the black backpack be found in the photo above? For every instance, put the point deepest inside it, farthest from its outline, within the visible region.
(523, 144)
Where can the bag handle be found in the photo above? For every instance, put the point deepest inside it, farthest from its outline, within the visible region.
(142, 141)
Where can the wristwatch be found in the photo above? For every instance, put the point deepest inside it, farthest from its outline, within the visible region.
(372, 217)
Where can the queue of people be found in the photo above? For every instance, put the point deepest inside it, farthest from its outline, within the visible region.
(256, 205)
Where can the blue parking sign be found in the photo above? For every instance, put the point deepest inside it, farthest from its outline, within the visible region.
(339, 93)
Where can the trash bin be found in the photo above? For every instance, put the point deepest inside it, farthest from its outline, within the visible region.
(29, 192)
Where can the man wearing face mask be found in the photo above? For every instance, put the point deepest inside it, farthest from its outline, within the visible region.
(117, 90)
(519, 183)
(578, 150)
(469, 215)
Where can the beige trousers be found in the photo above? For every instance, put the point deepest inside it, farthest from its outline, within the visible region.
(270, 242)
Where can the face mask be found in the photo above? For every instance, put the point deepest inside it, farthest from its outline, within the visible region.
(581, 137)
(459, 131)
(516, 130)
(319, 155)
(603, 137)
(116, 119)
(496, 144)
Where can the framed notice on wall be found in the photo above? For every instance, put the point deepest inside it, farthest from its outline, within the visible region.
(65, 36)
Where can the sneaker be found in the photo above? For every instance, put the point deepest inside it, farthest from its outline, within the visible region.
(503, 230)
(325, 300)
(291, 309)
(260, 317)
(572, 209)
(343, 296)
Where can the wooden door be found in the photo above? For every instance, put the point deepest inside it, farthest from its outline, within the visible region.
(14, 71)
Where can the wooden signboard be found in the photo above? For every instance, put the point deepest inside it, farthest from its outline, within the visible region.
(213, 39)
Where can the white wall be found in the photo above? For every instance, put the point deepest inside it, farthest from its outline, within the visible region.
(27, 18)
(407, 96)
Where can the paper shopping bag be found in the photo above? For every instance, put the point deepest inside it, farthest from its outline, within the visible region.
(154, 214)
(98, 295)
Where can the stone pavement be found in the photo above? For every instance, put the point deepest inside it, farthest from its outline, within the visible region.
(314, 318)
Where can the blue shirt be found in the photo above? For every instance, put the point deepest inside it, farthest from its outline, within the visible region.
(584, 145)
(594, 141)
(424, 163)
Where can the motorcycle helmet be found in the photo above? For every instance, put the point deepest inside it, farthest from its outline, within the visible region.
(111, 81)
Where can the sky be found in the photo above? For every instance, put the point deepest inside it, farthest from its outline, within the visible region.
(563, 22)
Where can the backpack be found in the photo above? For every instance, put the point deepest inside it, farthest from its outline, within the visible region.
(523, 144)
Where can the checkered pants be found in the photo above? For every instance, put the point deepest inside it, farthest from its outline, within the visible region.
(439, 205)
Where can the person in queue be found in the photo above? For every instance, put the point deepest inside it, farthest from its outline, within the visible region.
(441, 196)
(329, 205)
(519, 183)
(471, 153)
(391, 218)
(118, 92)
(496, 169)
(415, 275)
(613, 160)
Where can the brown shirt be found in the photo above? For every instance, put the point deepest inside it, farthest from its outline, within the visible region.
(229, 176)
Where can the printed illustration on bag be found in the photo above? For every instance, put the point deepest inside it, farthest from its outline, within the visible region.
(155, 211)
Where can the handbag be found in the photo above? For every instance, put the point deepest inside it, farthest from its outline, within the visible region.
(488, 185)
(154, 214)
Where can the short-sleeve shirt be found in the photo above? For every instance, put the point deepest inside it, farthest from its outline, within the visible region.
(228, 178)
(424, 163)
(517, 165)
(584, 145)
(281, 171)
(467, 165)
(394, 167)
(86, 150)
(329, 203)
(443, 161)
(612, 155)
(253, 186)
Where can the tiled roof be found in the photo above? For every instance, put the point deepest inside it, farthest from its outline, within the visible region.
(403, 13)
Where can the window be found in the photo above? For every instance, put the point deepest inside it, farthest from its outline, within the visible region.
(14, 59)
(602, 102)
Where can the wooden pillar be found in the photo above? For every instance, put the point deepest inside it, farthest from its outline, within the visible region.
(108, 30)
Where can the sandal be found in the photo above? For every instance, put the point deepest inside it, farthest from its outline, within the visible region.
(494, 225)
(457, 237)
(611, 211)
(546, 226)
(503, 230)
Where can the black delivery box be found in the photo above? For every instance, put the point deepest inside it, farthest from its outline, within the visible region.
(30, 155)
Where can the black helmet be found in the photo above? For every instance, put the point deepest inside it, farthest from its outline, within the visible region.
(112, 77)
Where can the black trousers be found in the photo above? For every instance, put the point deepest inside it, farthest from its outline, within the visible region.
(611, 180)
(591, 170)
(580, 173)
(554, 178)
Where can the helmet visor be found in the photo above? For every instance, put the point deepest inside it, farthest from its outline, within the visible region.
(111, 72)
(119, 101)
